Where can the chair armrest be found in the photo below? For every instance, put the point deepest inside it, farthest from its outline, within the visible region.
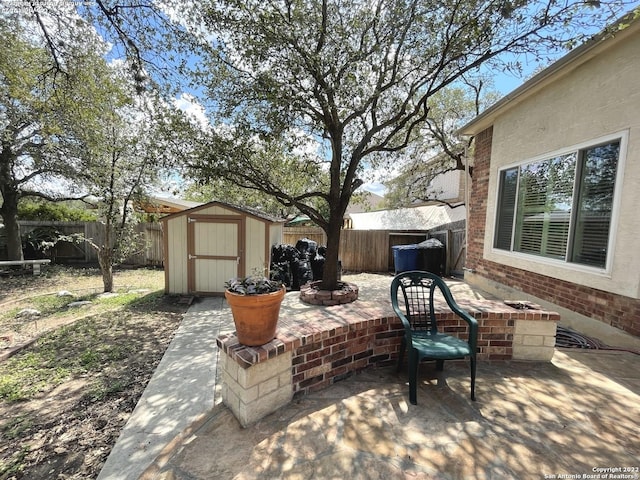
(472, 322)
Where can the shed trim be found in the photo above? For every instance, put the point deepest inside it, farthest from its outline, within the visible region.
(240, 210)
(217, 218)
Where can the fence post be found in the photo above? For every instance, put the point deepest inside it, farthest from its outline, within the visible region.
(448, 252)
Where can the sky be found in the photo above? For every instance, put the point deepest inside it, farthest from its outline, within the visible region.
(504, 83)
(507, 82)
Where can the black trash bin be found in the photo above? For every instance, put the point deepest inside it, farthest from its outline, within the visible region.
(432, 256)
(405, 257)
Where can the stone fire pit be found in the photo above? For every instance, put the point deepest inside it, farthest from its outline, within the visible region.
(311, 294)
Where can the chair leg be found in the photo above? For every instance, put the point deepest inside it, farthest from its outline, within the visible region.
(403, 346)
(473, 377)
(413, 376)
(439, 365)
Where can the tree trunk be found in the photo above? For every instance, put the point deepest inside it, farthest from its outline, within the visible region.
(330, 271)
(9, 212)
(105, 258)
(9, 208)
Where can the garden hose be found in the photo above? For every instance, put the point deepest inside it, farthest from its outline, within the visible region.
(569, 338)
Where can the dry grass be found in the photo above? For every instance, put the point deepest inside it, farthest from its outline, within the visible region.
(65, 398)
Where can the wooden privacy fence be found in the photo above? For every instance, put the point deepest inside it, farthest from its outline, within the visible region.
(151, 253)
(371, 250)
(454, 241)
(360, 250)
(292, 234)
(364, 250)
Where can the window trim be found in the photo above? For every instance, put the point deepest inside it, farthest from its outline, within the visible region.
(622, 137)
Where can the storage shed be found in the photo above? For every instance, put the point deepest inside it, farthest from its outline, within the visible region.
(207, 245)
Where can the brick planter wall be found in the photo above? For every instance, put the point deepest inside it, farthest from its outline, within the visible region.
(616, 310)
(310, 354)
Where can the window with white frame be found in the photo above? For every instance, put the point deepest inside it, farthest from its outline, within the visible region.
(560, 207)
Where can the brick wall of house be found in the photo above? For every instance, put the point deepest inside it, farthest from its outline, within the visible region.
(616, 310)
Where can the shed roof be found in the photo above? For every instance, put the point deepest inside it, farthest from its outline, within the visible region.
(247, 210)
(610, 36)
(167, 205)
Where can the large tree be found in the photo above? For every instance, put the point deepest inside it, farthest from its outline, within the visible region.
(300, 173)
(219, 189)
(358, 78)
(132, 145)
(38, 152)
(438, 148)
(77, 127)
(149, 36)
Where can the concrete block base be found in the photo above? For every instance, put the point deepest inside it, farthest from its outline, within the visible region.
(253, 392)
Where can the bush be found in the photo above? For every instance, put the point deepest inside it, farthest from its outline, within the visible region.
(54, 211)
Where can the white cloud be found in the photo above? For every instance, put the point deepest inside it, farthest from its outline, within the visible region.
(189, 104)
(375, 187)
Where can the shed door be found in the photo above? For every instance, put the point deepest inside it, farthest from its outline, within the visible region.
(215, 252)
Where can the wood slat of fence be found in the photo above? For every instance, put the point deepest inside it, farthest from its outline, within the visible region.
(364, 250)
(155, 251)
(151, 253)
(291, 235)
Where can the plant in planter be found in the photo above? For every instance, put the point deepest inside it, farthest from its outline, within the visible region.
(255, 306)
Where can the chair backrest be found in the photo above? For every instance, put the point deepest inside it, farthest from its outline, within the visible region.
(418, 289)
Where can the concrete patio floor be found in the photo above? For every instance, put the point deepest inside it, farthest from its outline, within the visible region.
(564, 419)
(572, 416)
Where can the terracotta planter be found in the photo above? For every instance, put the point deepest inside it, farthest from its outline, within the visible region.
(255, 316)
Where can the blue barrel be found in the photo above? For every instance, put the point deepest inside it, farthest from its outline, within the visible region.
(405, 257)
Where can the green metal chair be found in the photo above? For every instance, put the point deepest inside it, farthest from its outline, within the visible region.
(421, 336)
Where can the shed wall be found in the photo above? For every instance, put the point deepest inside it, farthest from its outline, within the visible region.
(255, 247)
(176, 268)
(276, 236)
(259, 235)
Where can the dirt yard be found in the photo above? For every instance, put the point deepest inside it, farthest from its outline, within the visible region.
(65, 397)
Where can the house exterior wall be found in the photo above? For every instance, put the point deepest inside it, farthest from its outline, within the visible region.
(448, 186)
(599, 98)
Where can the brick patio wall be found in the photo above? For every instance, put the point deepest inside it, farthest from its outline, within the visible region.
(309, 355)
(616, 310)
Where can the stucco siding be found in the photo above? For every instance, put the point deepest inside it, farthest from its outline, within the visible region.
(600, 97)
